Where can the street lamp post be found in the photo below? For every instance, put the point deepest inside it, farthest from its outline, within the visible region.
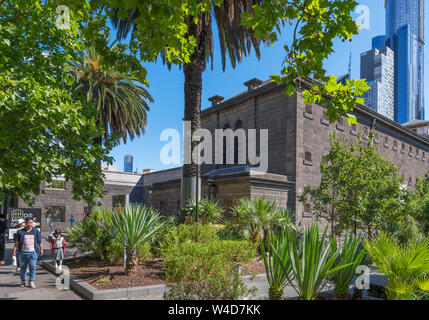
(198, 140)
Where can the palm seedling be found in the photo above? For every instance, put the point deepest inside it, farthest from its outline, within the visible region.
(406, 266)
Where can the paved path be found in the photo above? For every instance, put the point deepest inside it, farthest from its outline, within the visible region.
(45, 282)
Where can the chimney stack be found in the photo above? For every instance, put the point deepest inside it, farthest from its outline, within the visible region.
(253, 83)
(216, 100)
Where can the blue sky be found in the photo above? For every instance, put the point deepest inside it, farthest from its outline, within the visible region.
(166, 86)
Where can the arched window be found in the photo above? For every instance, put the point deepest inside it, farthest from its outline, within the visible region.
(308, 156)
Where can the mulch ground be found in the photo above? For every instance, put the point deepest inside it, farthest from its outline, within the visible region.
(102, 275)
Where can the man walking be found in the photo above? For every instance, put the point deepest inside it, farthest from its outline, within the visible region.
(29, 244)
(3, 231)
(72, 221)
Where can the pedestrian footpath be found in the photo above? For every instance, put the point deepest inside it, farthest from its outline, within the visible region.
(45, 282)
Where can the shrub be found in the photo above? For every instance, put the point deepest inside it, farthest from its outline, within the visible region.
(259, 215)
(406, 266)
(89, 235)
(144, 252)
(184, 233)
(207, 271)
(209, 211)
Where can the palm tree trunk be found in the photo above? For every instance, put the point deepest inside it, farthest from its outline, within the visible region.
(193, 72)
(132, 261)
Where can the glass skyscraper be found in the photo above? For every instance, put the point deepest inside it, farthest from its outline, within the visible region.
(128, 163)
(405, 36)
(377, 67)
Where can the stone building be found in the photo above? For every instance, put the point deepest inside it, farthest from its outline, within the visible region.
(298, 137)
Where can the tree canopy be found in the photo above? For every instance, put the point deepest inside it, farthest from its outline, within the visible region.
(45, 130)
(359, 189)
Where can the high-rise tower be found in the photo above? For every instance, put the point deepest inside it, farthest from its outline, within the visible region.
(128, 163)
(377, 67)
(405, 36)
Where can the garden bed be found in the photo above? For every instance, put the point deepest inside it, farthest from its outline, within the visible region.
(103, 275)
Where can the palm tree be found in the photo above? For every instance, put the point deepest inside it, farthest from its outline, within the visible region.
(119, 98)
(234, 40)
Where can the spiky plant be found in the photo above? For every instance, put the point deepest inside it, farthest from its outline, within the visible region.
(278, 268)
(134, 226)
(312, 263)
(352, 253)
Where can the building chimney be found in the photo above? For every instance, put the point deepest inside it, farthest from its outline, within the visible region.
(253, 83)
(216, 100)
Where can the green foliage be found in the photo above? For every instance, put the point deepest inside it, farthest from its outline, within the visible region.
(157, 241)
(133, 227)
(353, 254)
(278, 266)
(309, 265)
(207, 271)
(144, 252)
(420, 201)
(185, 233)
(209, 211)
(46, 131)
(259, 215)
(359, 189)
(101, 76)
(405, 229)
(89, 235)
(406, 266)
(314, 26)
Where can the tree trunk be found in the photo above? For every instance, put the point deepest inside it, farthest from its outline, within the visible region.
(193, 72)
(276, 294)
(132, 261)
(97, 141)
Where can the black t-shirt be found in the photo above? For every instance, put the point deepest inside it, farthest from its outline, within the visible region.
(3, 227)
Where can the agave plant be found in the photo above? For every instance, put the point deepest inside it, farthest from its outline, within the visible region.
(277, 268)
(134, 226)
(352, 253)
(406, 266)
(312, 263)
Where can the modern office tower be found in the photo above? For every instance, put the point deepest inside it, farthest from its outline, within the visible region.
(405, 36)
(377, 67)
(128, 163)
